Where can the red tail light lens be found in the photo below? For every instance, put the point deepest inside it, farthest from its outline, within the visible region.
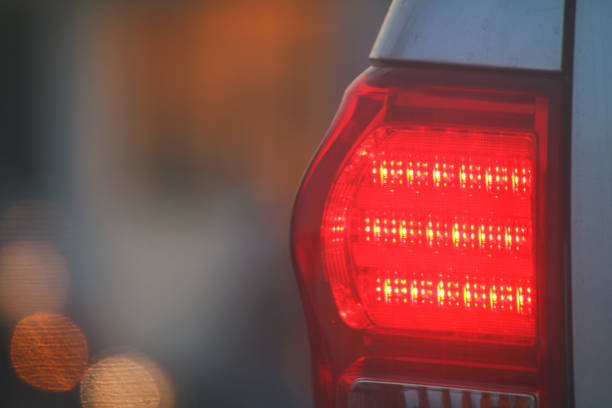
(425, 243)
(430, 228)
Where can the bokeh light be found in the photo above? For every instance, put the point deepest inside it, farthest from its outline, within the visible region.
(155, 162)
(33, 277)
(126, 381)
(49, 351)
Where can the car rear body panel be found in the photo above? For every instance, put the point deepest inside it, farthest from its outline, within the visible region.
(508, 34)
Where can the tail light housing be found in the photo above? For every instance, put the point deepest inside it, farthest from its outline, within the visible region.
(428, 238)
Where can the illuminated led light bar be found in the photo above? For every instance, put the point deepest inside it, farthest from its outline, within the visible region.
(474, 304)
(414, 171)
(436, 227)
(467, 294)
(458, 232)
(442, 164)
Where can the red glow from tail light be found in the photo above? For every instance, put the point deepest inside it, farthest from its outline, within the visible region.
(428, 235)
(434, 227)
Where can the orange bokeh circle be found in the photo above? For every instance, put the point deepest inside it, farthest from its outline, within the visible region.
(49, 351)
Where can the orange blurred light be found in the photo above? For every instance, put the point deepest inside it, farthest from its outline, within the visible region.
(49, 351)
(33, 277)
(126, 381)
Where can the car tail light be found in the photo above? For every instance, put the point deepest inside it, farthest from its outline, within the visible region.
(428, 242)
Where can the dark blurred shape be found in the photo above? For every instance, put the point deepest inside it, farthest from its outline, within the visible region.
(33, 277)
(296, 368)
(20, 164)
(126, 381)
(49, 351)
(35, 220)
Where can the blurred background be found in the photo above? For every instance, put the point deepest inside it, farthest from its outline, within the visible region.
(150, 152)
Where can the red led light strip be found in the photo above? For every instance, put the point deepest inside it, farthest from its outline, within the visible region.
(397, 228)
(465, 174)
(452, 293)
